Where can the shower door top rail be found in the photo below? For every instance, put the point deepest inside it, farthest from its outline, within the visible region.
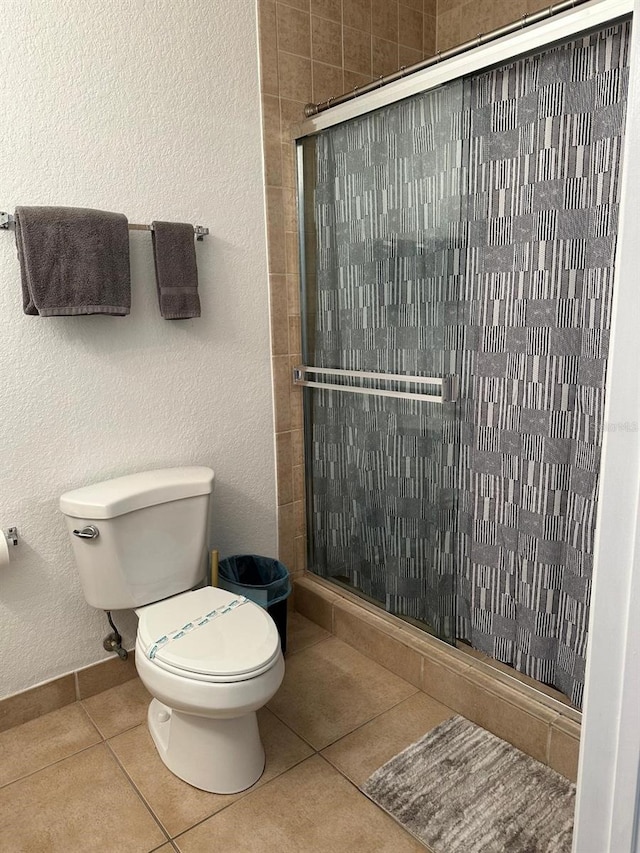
(473, 57)
(448, 385)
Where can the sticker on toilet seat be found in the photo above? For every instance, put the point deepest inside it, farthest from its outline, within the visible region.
(192, 626)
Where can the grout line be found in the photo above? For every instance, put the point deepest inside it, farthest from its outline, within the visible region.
(242, 795)
(139, 793)
(51, 764)
(379, 807)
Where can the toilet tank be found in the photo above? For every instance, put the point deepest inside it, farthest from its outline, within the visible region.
(151, 540)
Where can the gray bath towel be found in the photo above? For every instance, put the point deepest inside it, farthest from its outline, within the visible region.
(73, 261)
(174, 254)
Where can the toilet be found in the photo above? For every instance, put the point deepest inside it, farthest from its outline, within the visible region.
(209, 658)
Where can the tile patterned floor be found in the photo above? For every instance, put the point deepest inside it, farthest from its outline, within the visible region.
(87, 777)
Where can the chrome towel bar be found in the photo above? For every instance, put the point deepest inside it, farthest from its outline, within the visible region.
(7, 221)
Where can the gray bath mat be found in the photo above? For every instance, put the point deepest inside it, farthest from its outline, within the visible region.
(460, 789)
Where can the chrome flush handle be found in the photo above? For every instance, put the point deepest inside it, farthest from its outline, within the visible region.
(89, 532)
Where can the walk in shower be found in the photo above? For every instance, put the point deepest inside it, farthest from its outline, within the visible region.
(458, 258)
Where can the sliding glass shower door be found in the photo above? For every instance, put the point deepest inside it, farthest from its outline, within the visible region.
(382, 242)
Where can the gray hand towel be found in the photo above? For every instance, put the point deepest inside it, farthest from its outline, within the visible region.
(73, 261)
(174, 254)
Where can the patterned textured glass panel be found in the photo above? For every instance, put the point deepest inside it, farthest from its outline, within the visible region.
(387, 208)
(540, 217)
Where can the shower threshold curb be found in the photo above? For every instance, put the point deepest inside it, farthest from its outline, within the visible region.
(538, 724)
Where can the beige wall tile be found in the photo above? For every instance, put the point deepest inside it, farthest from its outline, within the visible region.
(294, 30)
(384, 57)
(275, 230)
(327, 9)
(297, 4)
(326, 41)
(407, 56)
(282, 387)
(297, 446)
(482, 16)
(298, 483)
(291, 114)
(564, 747)
(384, 19)
(293, 291)
(290, 210)
(268, 47)
(410, 27)
(352, 80)
(315, 606)
(106, 674)
(271, 140)
(301, 554)
(299, 511)
(284, 469)
(445, 6)
(357, 51)
(563, 753)
(291, 253)
(288, 168)
(357, 14)
(294, 75)
(448, 29)
(286, 535)
(328, 82)
(361, 632)
(429, 35)
(412, 4)
(279, 319)
(295, 337)
(25, 706)
(485, 701)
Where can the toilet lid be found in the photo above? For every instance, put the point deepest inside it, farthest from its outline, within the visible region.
(231, 645)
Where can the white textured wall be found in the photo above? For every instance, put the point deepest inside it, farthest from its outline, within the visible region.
(150, 108)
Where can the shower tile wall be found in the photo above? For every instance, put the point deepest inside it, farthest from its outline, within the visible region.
(459, 21)
(309, 51)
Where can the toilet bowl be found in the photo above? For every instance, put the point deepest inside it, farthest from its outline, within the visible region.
(208, 684)
(209, 658)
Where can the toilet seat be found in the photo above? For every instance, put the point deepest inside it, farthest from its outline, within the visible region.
(236, 646)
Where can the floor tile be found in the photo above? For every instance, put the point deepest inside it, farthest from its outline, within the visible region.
(310, 808)
(330, 689)
(302, 632)
(360, 753)
(83, 803)
(175, 803)
(120, 708)
(45, 740)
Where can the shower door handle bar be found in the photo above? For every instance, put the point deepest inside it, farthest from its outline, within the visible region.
(448, 384)
(370, 374)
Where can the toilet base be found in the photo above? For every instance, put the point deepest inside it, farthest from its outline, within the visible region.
(222, 756)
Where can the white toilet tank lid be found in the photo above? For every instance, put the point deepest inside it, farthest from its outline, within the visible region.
(230, 645)
(136, 491)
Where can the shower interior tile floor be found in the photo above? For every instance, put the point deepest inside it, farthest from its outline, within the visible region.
(87, 777)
